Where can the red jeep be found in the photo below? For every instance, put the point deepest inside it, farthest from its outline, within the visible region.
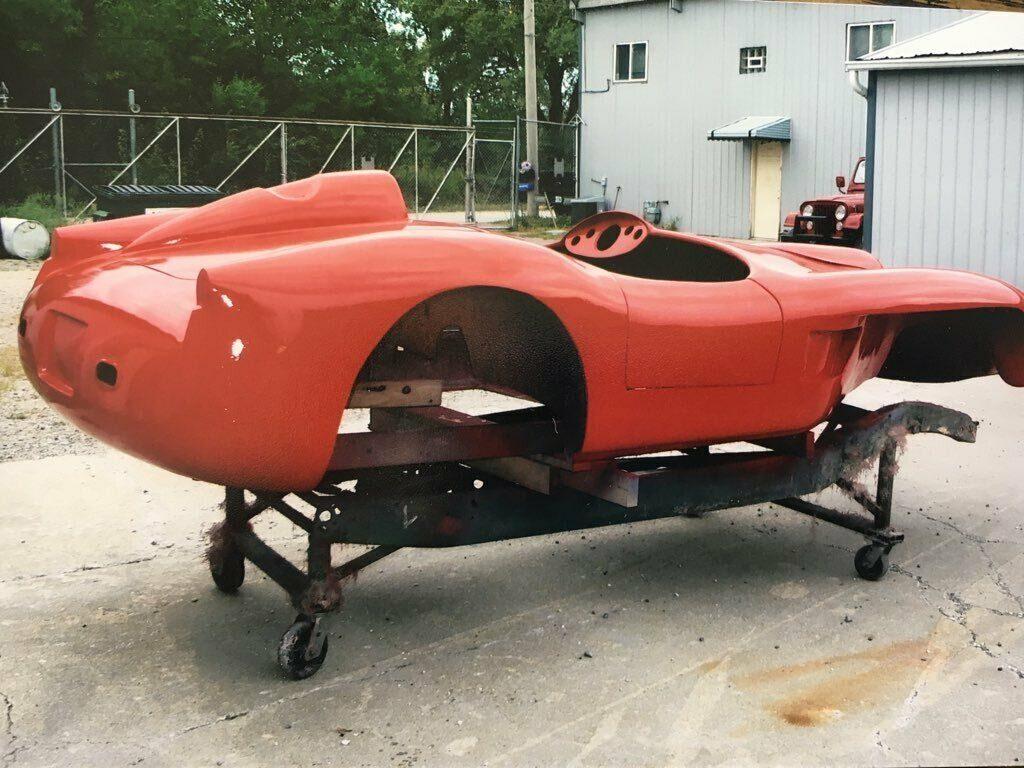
(834, 220)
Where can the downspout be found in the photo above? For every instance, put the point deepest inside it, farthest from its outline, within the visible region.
(869, 161)
(867, 92)
(854, 77)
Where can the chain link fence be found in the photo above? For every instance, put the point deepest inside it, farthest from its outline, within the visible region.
(445, 172)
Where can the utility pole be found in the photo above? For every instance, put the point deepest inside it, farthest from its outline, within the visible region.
(530, 59)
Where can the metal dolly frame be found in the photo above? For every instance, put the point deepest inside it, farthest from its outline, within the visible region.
(490, 497)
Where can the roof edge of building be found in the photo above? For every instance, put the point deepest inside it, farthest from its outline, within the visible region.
(593, 5)
(952, 61)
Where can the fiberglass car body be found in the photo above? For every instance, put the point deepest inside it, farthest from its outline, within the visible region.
(225, 342)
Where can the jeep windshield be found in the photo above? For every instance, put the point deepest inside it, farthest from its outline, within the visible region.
(858, 172)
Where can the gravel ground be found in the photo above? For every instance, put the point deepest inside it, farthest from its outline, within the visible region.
(29, 429)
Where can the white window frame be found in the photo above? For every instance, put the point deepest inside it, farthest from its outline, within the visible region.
(763, 57)
(871, 35)
(615, 69)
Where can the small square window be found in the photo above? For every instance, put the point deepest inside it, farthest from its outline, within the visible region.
(753, 59)
(862, 39)
(630, 62)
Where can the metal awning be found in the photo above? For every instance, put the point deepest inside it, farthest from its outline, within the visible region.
(770, 128)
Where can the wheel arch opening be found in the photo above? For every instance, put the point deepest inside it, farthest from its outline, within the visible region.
(958, 344)
(515, 342)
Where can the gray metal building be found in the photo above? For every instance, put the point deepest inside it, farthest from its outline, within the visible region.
(659, 77)
(946, 121)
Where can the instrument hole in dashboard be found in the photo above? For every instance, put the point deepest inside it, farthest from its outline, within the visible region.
(590, 233)
(629, 230)
(636, 235)
(575, 240)
(608, 237)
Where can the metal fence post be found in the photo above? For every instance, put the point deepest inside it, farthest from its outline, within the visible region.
(132, 136)
(353, 147)
(58, 171)
(515, 174)
(284, 153)
(416, 166)
(576, 146)
(177, 145)
(63, 180)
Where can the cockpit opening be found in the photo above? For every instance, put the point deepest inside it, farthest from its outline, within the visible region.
(627, 245)
(663, 258)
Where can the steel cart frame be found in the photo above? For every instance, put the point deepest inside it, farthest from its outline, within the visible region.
(431, 477)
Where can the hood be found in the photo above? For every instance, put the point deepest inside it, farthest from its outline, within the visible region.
(850, 200)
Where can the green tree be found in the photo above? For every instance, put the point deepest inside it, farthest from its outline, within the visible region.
(239, 97)
(371, 59)
(475, 47)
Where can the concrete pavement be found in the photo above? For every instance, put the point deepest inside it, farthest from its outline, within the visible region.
(740, 638)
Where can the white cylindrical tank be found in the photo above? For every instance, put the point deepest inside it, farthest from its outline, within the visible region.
(23, 238)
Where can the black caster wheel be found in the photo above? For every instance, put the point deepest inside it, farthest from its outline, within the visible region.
(228, 570)
(303, 648)
(871, 562)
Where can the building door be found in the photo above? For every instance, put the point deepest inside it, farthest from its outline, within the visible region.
(765, 189)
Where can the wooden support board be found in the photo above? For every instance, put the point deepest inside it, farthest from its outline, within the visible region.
(396, 394)
(434, 434)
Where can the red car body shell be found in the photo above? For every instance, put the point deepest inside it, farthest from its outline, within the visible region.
(238, 329)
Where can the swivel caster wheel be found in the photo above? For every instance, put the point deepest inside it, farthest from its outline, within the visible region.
(228, 570)
(303, 648)
(871, 562)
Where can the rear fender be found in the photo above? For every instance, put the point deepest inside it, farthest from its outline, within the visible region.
(305, 340)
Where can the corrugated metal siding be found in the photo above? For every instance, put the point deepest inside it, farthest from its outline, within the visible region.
(949, 170)
(651, 138)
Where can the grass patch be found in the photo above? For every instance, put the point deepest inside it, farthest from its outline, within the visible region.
(39, 208)
(10, 368)
(541, 226)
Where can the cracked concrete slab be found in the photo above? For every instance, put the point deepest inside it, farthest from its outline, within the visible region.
(742, 637)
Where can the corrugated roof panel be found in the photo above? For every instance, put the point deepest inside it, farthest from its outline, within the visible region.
(974, 38)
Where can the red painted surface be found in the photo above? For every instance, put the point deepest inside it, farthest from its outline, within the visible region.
(238, 329)
(850, 230)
